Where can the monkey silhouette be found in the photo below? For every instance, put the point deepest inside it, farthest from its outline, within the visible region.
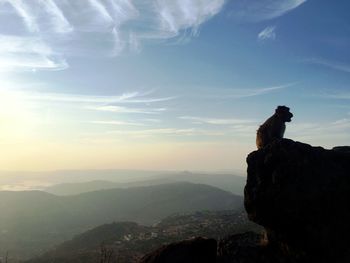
(274, 127)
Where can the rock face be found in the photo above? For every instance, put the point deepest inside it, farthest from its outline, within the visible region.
(246, 247)
(198, 250)
(301, 195)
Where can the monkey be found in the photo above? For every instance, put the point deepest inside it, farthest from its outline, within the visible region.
(274, 127)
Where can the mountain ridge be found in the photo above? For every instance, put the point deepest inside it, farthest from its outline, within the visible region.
(227, 182)
(34, 221)
(128, 241)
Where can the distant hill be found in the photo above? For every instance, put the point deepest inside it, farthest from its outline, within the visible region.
(27, 180)
(129, 241)
(32, 221)
(87, 247)
(83, 187)
(227, 182)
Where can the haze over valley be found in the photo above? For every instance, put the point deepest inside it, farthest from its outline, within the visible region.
(33, 221)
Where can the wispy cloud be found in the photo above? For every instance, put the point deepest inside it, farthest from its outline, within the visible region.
(28, 53)
(337, 95)
(101, 9)
(31, 111)
(113, 122)
(235, 131)
(57, 19)
(326, 133)
(149, 100)
(258, 10)
(23, 11)
(133, 97)
(138, 102)
(268, 33)
(40, 15)
(167, 132)
(62, 25)
(236, 93)
(215, 121)
(175, 15)
(344, 67)
(152, 120)
(122, 109)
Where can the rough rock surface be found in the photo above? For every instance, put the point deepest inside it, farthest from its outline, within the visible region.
(345, 149)
(246, 247)
(301, 195)
(198, 250)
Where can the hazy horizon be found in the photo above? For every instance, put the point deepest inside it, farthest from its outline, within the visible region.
(39, 180)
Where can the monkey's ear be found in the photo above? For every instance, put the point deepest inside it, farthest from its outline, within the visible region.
(281, 109)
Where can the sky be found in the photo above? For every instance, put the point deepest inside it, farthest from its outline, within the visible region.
(167, 84)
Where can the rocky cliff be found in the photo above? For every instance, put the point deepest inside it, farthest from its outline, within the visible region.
(301, 195)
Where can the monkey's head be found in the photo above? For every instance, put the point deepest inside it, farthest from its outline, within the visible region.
(284, 113)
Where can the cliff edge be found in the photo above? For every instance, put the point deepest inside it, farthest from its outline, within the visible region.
(301, 195)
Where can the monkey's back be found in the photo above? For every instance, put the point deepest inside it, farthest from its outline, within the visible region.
(273, 128)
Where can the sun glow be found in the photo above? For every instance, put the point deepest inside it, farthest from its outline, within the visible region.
(17, 118)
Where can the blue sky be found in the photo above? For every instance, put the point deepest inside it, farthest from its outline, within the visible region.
(167, 84)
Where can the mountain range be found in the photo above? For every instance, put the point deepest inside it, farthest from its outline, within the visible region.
(33, 221)
(127, 242)
(227, 182)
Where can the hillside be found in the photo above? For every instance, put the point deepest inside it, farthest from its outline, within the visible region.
(129, 241)
(33, 221)
(227, 182)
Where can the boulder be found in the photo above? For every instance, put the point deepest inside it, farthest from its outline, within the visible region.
(197, 250)
(241, 248)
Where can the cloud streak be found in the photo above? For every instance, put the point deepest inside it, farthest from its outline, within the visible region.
(327, 132)
(340, 96)
(268, 33)
(65, 25)
(236, 93)
(57, 19)
(215, 121)
(126, 98)
(172, 132)
(24, 12)
(175, 15)
(113, 122)
(118, 25)
(259, 10)
(26, 53)
(121, 109)
(335, 65)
